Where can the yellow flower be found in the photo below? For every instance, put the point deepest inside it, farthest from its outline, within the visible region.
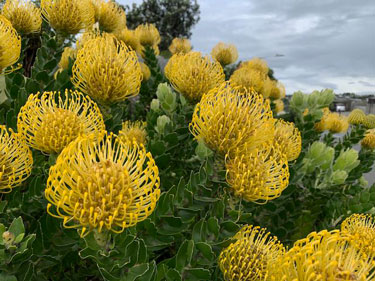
(251, 255)
(10, 44)
(50, 121)
(146, 73)
(267, 88)
(193, 75)
(69, 53)
(68, 16)
(323, 124)
(279, 106)
(277, 91)
(102, 185)
(362, 227)
(258, 175)
(228, 117)
(180, 45)
(147, 34)
(87, 36)
(24, 15)
(289, 139)
(225, 53)
(337, 123)
(324, 256)
(248, 78)
(369, 121)
(110, 16)
(357, 117)
(16, 160)
(133, 131)
(107, 70)
(369, 140)
(129, 38)
(257, 64)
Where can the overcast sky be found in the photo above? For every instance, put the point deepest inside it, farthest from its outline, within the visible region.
(310, 44)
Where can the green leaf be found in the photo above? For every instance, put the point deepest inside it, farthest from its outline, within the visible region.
(136, 271)
(184, 254)
(198, 229)
(5, 277)
(17, 227)
(32, 87)
(213, 225)
(199, 273)
(206, 250)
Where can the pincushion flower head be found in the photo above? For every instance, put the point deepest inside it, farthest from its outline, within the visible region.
(289, 139)
(229, 117)
(180, 45)
(369, 121)
(146, 73)
(106, 184)
(225, 53)
(107, 70)
(362, 227)
(279, 106)
(68, 54)
(277, 90)
(51, 120)
(129, 37)
(251, 255)
(86, 36)
(258, 175)
(16, 160)
(133, 131)
(148, 35)
(369, 140)
(324, 256)
(110, 16)
(337, 123)
(248, 78)
(10, 44)
(357, 117)
(193, 75)
(68, 16)
(256, 64)
(24, 15)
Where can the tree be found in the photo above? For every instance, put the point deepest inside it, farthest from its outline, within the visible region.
(173, 18)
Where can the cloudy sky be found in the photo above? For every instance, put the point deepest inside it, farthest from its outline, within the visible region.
(309, 44)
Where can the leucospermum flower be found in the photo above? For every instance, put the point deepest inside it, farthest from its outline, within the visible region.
(229, 117)
(16, 160)
(129, 38)
(24, 15)
(323, 124)
(148, 35)
(337, 123)
(257, 64)
(68, 16)
(369, 140)
(279, 106)
(51, 120)
(289, 139)
(225, 53)
(357, 117)
(324, 256)
(251, 255)
(68, 54)
(109, 15)
(10, 44)
(248, 78)
(258, 175)
(133, 131)
(102, 185)
(193, 75)
(146, 73)
(107, 70)
(277, 90)
(87, 36)
(362, 227)
(180, 45)
(369, 121)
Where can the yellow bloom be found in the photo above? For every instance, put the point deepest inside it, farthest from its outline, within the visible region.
(258, 175)
(147, 34)
(279, 106)
(337, 123)
(107, 70)
(193, 75)
(267, 88)
(324, 256)
(180, 45)
(68, 16)
(277, 91)
(87, 36)
(102, 185)
(10, 44)
(369, 140)
(50, 121)
(323, 124)
(225, 53)
(69, 53)
(248, 78)
(146, 73)
(257, 64)
(289, 139)
(109, 15)
(129, 38)
(16, 160)
(357, 117)
(369, 121)
(251, 255)
(133, 131)
(24, 15)
(228, 117)
(362, 227)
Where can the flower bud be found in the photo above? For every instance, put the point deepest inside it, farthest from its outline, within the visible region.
(161, 122)
(8, 238)
(297, 100)
(363, 182)
(166, 97)
(155, 105)
(347, 161)
(339, 177)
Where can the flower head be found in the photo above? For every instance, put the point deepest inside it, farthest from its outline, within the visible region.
(279, 106)
(24, 15)
(68, 54)
(248, 78)
(110, 16)
(107, 70)
(225, 53)
(337, 123)
(289, 139)
(16, 160)
(369, 140)
(180, 45)
(257, 64)
(229, 117)
(369, 121)
(251, 255)
(129, 38)
(87, 36)
(68, 16)
(10, 44)
(362, 227)
(146, 73)
(148, 35)
(357, 117)
(193, 75)
(277, 90)
(324, 256)
(133, 131)
(102, 185)
(258, 175)
(51, 120)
